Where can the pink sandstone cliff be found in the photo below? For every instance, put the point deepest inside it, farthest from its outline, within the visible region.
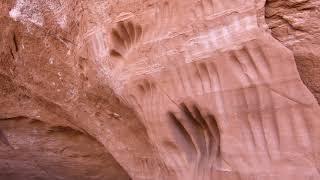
(169, 89)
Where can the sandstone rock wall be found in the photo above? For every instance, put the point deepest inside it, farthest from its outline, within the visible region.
(296, 24)
(76, 72)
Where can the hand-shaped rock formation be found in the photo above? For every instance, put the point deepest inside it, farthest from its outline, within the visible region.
(172, 89)
(219, 97)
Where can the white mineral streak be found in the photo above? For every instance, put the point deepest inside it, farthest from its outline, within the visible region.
(62, 21)
(27, 11)
(124, 16)
(99, 44)
(59, 12)
(99, 49)
(30, 11)
(51, 60)
(95, 37)
(217, 38)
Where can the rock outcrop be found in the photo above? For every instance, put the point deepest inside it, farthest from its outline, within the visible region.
(295, 24)
(159, 89)
(36, 150)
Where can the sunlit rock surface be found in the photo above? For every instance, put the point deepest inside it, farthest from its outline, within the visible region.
(178, 89)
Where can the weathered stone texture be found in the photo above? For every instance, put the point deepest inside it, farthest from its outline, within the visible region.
(296, 24)
(169, 89)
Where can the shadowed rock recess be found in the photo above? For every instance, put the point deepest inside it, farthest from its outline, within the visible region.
(159, 89)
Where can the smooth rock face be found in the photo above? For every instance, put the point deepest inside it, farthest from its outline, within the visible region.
(159, 89)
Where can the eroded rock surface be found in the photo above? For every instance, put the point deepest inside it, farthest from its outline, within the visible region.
(38, 151)
(170, 89)
(295, 23)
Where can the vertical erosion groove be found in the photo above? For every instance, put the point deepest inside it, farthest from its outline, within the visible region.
(124, 37)
(181, 130)
(199, 129)
(4, 139)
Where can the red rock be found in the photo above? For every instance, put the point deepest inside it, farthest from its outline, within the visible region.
(159, 89)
